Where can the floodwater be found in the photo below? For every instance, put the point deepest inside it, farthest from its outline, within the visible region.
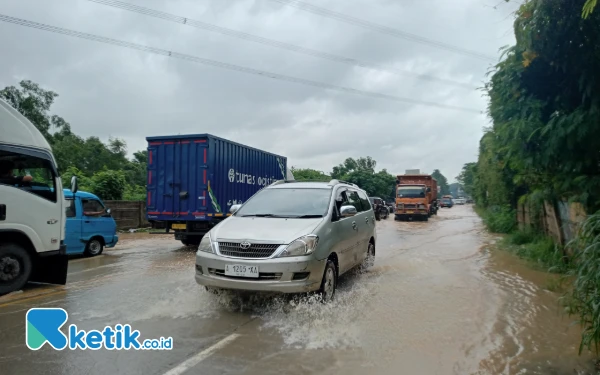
(439, 300)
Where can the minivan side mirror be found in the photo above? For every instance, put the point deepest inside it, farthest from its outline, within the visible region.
(234, 208)
(348, 211)
(108, 211)
(74, 185)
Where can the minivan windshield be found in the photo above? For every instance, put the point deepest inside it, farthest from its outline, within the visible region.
(411, 192)
(289, 203)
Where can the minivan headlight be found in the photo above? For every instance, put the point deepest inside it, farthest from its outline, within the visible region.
(302, 246)
(205, 244)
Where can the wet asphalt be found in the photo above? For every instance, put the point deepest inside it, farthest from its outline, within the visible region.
(438, 300)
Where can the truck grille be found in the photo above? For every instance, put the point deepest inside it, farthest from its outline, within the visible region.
(256, 250)
(410, 206)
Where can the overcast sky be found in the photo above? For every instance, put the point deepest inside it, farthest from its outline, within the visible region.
(109, 91)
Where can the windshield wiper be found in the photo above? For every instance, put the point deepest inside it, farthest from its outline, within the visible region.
(307, 216)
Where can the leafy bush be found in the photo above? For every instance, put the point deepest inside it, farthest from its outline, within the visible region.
(109, 185)
(134, 193)
(522, 237)
(500, 219)
(584, 298)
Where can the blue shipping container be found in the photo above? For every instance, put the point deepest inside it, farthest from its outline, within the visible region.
(193, 180)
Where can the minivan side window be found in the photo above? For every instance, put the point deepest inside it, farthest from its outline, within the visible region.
(92, 207)
(364, 200)
(340, 200)
(70, 210)
(354, 200)
(28, 172)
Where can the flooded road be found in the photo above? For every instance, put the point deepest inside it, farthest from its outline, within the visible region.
(439, 300)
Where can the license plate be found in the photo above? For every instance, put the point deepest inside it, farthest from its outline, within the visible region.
(241, 270)
(177, 226)
(410, 212)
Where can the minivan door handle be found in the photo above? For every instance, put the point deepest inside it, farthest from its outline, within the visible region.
(354, 225)
(367, 220)
(87, 221)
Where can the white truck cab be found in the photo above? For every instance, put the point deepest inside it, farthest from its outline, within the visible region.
(32, 215)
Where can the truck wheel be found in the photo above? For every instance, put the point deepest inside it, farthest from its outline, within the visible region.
(94, 247)
(15, 267)
(329, 282)
(192, 241)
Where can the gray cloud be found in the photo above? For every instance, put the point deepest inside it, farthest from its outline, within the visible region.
(109, 91)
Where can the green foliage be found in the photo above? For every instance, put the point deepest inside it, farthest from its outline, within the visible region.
(588, 8)
(442, 182)
(545, 107)
(134, 193)
(84, 183)
(307, 174)
(467, 178)
(537, 249)
(500, 219)
(361, 172)
(109, 184)
(583, 300)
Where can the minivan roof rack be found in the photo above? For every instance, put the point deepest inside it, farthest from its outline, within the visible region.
(336, 181)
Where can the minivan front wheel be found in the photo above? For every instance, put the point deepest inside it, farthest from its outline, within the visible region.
(94, 247)
(329, 282)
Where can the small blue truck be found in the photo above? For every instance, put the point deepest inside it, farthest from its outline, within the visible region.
(193, 180)
(90, 227)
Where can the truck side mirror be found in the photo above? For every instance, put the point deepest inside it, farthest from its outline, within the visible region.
(429, 190)
(74, 185)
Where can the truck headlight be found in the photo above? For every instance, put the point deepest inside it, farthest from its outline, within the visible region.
(302, 246)
(206, 244)
(399, 206)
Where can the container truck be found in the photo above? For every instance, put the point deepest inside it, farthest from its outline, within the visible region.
(193, 180)
(32, 206)
(416, 196)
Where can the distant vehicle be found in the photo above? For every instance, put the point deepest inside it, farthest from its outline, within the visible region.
(459, 201)
(193, 180)
(469, 200)
(90, 226)
(391, 206)
(416, 196)
(380, 208)
(446, 202)
(32, 214)
(291, 237)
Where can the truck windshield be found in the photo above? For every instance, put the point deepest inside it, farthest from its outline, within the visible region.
(411, 192)
(289, 203)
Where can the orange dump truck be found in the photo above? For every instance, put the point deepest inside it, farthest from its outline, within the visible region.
(416, 196)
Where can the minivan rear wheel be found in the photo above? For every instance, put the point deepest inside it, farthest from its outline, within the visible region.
(329, 282)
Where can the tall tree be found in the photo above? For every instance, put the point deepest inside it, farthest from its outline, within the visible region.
(442, 182)
(466, 177)
(307, 174)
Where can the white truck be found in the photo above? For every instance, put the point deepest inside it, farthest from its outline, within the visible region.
(32, 214)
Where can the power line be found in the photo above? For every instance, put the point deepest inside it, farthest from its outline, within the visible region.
(219, 64)
(383, 29)
(271, 42)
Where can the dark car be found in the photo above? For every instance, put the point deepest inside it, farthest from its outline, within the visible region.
(379, 207)
(446, 202)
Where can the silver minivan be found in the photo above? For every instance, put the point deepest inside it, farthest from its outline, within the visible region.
(290, 237)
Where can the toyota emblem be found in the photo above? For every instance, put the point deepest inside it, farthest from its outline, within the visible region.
(245, 245)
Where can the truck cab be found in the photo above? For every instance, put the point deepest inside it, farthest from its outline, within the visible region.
(412, 202)
(32, 218)
(90, 226)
